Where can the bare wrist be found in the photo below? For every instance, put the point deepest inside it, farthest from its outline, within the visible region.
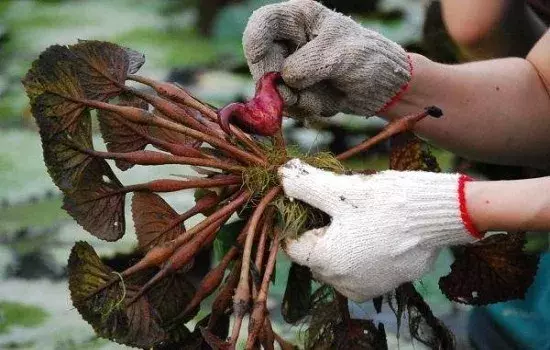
(477, 205)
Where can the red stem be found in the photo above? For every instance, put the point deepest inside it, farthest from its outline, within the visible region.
(181, 256)
(140, 116)
(179, 95)
(159, 158)
(175, 113)
(176, 149)
(396, 126)
(242, 295)
(159, 254)
(258, 314)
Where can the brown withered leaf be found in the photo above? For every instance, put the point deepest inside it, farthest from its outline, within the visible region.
(65, 164)
(423, 325)
(107, 311)
(492, 270)
(103, 67)
(123, 136)
(408, 152)
(297, 298)
(358, 335)
(98, 204)
(53, 88)
(154, 220)
(328, 330)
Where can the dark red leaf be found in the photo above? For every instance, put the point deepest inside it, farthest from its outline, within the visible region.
(106, 312)
(154, 220)
(103, 67)
(123, 136)
(98, 204)
(53, 88)
(149, 321)
(493, 270)
(65, 164)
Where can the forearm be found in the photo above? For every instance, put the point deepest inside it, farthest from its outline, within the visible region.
(519, 205)
(496, 111)
(491, 28)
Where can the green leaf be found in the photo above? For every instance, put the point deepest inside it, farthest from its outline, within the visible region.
(297, 298)
(20, 315)
(536, 242)
(98, 202)
(226, 237)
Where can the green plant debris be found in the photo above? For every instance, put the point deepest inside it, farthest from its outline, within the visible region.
(259, 179)
(20, 315)
(295, 216)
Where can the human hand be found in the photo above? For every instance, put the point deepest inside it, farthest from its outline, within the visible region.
(329, 63)
(386, 228)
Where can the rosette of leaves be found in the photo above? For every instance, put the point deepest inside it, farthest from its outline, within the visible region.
(147, 303)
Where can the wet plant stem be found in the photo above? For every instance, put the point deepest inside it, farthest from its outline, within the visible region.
(160, 254)
(179, 95)
(394, 127)
(175, 113)
(268, 224)
(176, 149)
(181, 256)
(140, 116)
(242, 295)
(259, 312)
(160, 158)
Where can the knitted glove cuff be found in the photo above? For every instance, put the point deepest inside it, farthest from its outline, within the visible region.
(402, 90)
(438, 213)
(388, 70)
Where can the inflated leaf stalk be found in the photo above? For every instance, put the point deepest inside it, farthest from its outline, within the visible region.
(262, 115)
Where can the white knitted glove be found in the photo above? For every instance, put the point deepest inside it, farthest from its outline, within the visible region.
(330, 62)
(386, 228)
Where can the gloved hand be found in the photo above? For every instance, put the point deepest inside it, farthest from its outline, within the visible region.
(329, 63)
(386, 228)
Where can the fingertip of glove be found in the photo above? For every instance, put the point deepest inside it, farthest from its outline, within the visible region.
(300, 249)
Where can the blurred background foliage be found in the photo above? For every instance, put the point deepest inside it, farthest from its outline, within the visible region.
(198, 44)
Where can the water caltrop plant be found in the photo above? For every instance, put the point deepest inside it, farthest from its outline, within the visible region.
(150, 301)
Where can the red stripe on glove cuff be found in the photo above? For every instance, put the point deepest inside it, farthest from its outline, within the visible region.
(401, 91)
(466, 218)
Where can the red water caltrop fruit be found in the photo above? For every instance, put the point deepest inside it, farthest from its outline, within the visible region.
(262, 115)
